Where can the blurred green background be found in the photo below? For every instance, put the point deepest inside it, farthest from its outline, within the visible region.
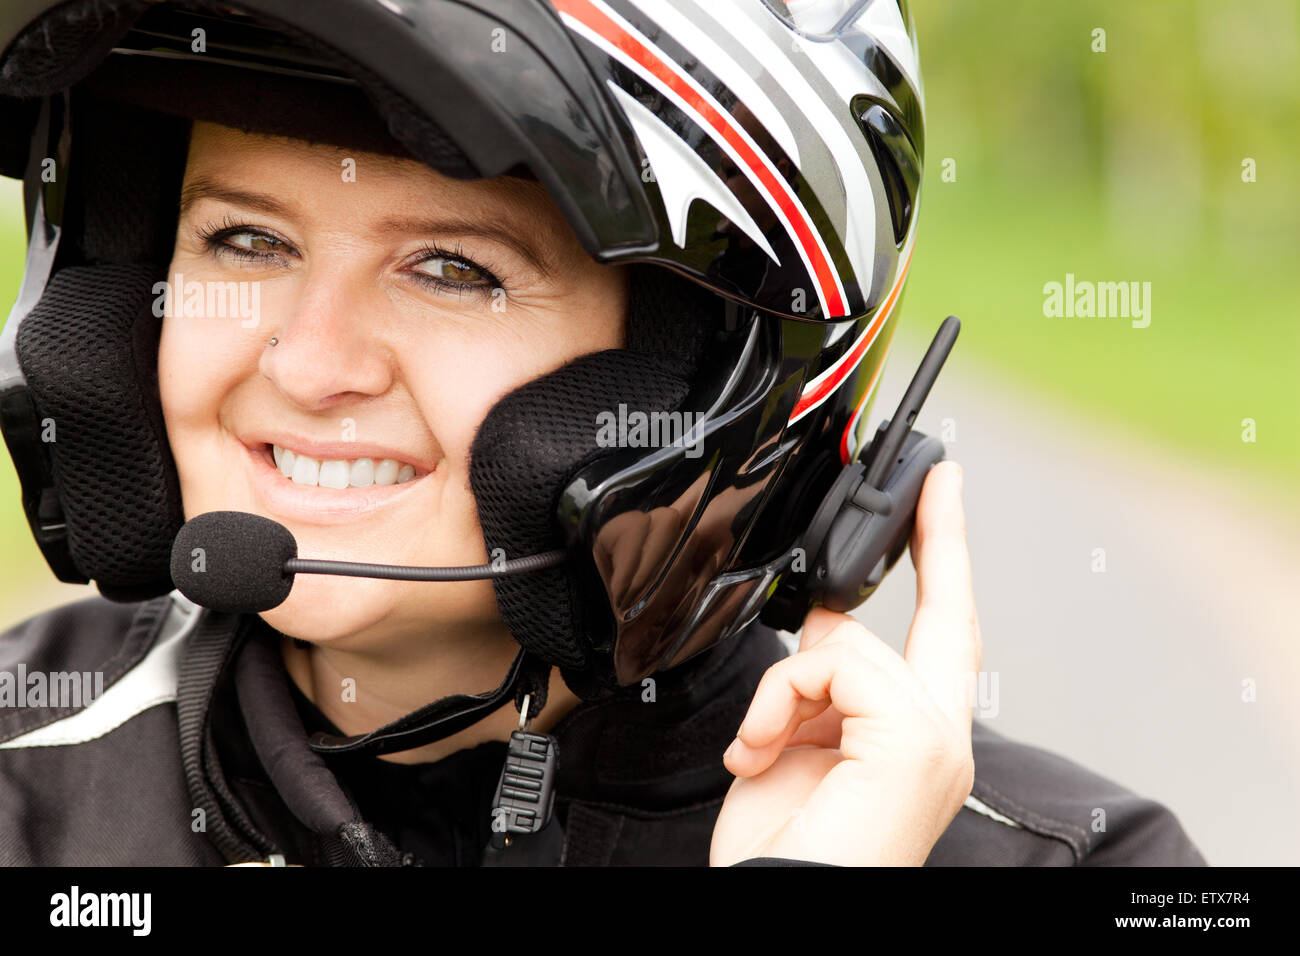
(1122, 165)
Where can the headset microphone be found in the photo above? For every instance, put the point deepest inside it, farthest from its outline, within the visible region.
(236, 562)
(233, 561)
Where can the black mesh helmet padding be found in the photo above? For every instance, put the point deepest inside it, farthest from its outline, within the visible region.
(89, 351)
(670, 317)
(528, 447)
(123, 199)
(57, 50)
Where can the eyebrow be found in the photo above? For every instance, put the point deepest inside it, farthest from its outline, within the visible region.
(447, 226)
(207, 189)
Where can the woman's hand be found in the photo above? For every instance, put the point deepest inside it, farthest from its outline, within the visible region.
(851, 754)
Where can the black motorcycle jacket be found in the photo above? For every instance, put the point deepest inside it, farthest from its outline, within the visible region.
(161, 733)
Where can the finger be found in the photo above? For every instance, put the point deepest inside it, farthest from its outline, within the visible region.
(746, 760)
(943, 642)
(824, 729)
(854, 633)
(818, 624)
(940, 552)
(802, 686)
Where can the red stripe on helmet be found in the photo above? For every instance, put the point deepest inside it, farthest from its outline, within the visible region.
(594, 19)
(850, 361)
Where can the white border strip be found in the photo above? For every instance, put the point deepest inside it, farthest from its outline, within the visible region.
(980, 807)
(151, 682)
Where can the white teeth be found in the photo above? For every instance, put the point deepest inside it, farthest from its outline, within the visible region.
(362, 474)
(386, 472)
(334, 474)
(340, 473)
(306, 470)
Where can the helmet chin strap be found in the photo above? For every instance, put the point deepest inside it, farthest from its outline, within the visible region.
(525, 792)
(528, 675)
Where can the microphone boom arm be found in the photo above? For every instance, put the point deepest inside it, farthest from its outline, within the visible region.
(397, 572)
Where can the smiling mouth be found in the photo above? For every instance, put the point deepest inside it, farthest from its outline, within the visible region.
(339, 473)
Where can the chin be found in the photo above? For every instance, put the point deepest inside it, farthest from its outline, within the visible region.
(324, 609)
(330, 609)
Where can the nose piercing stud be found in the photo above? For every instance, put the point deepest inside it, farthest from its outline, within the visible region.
(274, 340)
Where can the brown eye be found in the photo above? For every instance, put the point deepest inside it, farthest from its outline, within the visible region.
(255, 242)
(456, 270)
(452, 270)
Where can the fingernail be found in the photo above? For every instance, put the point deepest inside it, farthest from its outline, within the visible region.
(730, 751)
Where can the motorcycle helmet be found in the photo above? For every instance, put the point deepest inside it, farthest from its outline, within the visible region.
(757, 163)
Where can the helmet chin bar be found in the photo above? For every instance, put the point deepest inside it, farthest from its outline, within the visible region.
(661, 525)
(855, 537)
(654, 525)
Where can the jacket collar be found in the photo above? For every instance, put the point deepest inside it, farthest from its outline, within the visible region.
(651, 747)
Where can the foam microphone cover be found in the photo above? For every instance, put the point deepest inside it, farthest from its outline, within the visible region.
(233, 561)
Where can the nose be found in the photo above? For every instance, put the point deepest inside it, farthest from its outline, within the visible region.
(329, 347)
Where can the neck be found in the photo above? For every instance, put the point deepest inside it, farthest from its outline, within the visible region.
(360, 691)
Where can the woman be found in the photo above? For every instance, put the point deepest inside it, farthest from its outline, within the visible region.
(410, 350)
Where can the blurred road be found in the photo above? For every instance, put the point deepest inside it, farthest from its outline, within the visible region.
(1136, 672)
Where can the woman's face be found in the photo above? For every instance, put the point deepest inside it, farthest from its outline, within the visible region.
(405, 304)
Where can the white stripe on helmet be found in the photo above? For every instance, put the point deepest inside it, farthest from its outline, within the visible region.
(884, 21)
(578, 27)
(725, 68)
(860, 223)
(683, 177)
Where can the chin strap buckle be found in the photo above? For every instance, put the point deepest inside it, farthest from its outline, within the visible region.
(525, 793)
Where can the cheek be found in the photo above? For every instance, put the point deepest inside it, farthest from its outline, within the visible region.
(200, 357)
(597, 313)
(190, 370)
(456, 381)
(201, 362)
(458, 372)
